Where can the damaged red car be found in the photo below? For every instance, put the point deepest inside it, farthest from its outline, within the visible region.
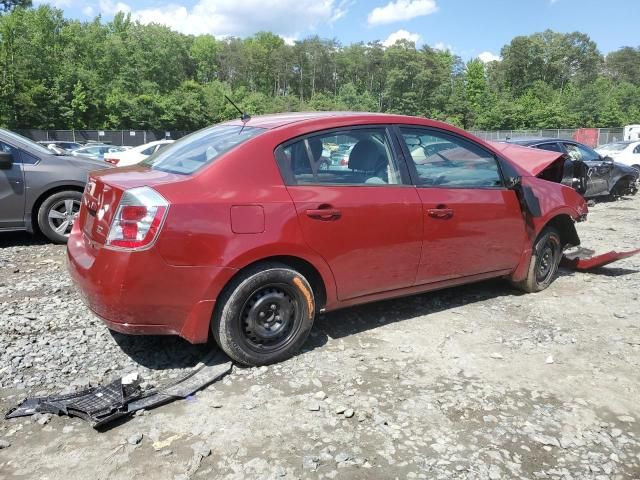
(247, 229)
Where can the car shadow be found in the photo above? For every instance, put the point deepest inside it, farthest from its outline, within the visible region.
(604, 271)
(21, 239)
(353, 320)
(162, 352)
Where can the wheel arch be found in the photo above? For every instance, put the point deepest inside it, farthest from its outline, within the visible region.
(565, 226)
(304, 266)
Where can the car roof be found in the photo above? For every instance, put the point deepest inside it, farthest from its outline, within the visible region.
(280, 119)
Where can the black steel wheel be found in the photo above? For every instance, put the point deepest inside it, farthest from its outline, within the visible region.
(264, 315)
(269, 317)
(545, 258)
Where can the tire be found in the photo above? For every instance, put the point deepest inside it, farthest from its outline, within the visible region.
(624, 186)
(248, 321)
(57, 214)
(543, 267)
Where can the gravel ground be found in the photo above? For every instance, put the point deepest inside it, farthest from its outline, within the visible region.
(472, 382)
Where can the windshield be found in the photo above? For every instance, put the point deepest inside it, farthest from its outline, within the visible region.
(28, 142)
(614, 147)
(200, 148)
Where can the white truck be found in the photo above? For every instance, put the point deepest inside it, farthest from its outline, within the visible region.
(631, 133)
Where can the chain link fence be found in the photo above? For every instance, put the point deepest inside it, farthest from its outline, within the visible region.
(603, 135)
(131, 138)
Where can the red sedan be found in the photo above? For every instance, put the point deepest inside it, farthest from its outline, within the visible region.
(244, 230)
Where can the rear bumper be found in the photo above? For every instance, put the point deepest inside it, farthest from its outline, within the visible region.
(139, 293)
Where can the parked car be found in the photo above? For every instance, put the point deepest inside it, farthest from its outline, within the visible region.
(232, 230)
(604, 175)
(136, 154)
(67, 146)
(96, 151)
(340, 156)
(39, 190)
(627, 153)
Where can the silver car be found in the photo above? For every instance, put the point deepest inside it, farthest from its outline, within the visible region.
(39, 190)
(96, 151)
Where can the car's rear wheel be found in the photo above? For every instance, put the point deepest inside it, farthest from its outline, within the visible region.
(265, 315)
(57, 214)
(545, 258)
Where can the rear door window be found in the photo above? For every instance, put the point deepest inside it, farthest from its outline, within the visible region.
(353, 156)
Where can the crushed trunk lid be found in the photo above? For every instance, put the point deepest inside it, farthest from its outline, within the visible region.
(553, 166)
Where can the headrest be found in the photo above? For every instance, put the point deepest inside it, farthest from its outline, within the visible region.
(367, 156)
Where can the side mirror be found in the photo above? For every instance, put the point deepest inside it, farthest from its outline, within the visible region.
(6, 160)
(513, 182)
(607, 159)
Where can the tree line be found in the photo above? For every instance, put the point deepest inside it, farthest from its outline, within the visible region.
(58, 73)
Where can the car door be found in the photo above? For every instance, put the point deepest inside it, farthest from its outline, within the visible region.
(364, 218)
(599, 171)
(12, 195)
(473, 224)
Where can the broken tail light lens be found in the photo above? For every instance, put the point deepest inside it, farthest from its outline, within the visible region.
(112, 161)
(138, 219)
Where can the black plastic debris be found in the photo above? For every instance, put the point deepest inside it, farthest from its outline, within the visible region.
(105, 403)
(97, 405)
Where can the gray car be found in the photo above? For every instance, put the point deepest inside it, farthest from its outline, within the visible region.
(39, 190)
(603, 175)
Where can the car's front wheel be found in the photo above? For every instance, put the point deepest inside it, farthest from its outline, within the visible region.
(57, 214)
(264, 315)
(545, 258)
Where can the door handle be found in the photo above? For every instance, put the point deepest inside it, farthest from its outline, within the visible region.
(440, 213)
(325, 214)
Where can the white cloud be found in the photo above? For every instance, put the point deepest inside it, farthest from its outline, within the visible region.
(487, 57)
(401, 35)
(109, 7)
(444, 47)
(288, 40)
(399, 10)
(288, 18)
(54, 3)
(88, 11)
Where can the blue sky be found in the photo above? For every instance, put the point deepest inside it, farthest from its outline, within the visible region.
(467, 27)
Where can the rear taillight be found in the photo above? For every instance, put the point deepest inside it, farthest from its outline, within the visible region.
(112, 161)
(138, 219)
(344, 162)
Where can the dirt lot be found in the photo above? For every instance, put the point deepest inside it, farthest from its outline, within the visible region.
(471, 382)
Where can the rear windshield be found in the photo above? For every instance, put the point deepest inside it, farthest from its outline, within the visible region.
(200, 148)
